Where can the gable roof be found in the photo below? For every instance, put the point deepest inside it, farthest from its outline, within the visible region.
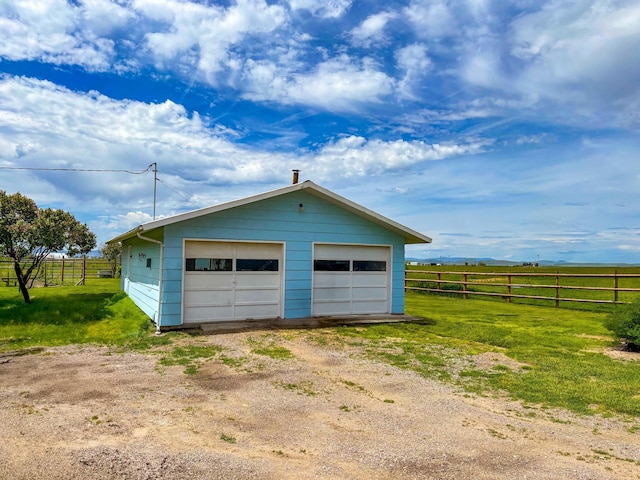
(410, 236)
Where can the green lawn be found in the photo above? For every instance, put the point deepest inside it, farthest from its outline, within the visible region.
(94, 313)
(562, 352)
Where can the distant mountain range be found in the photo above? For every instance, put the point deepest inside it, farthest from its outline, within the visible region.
(505, 263)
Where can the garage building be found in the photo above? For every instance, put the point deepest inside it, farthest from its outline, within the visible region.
(296, 252)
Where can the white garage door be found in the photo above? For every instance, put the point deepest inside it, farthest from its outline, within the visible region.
(232, 281)
(350, 279)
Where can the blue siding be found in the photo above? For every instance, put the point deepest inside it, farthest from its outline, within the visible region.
(276, 219)
(139, 281)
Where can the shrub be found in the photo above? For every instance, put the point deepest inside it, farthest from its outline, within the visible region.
(625, 322)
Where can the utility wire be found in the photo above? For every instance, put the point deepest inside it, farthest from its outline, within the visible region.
(78, 169)
(184, 194)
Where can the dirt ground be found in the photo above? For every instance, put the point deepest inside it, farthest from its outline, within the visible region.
(326, 413)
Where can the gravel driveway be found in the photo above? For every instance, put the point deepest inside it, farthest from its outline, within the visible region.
(324, 413)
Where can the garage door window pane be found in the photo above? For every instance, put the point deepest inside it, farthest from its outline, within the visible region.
(331, 265)
(369, 266)
(256, 265)
(209, 265)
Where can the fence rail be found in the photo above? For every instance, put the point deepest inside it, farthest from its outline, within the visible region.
(503, 284)
(60, 271)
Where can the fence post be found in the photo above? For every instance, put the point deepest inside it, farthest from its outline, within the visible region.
(464, 286)
(439, 278)
(62, 271)
(615, 286)
(557, 288)
(508, 288)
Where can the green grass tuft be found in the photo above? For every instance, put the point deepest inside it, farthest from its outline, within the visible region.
(190, 357)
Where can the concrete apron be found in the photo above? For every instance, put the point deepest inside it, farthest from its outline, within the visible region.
(299, 323)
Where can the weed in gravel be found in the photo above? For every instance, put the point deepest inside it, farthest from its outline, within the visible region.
(233, 362)
(190, 357)
(302, 388)
(497, 434)
(227, 438)
(275, 352)
(266, 347)
(355, 386)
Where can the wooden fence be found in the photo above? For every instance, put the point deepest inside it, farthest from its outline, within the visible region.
(61, 271)
(613, 288)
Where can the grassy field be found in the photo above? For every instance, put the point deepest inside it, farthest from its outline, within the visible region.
(528, 284)
(553, 357)
(95, 313)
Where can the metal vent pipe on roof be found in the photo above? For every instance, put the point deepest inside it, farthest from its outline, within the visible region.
(295, 176)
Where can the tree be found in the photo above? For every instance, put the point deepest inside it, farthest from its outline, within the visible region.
(112, 252)
(28, 234)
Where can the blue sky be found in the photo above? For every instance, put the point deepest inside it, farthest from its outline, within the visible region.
(501, 129)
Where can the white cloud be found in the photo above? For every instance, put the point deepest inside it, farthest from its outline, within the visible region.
(372, 28)
(339, 84)
(322, 8)
(415, 63)
(589, 43)
(356, 156)
(575, 60)
(102, 17)
(431, 19)
(53, 31)
(117, 224)
(201, 35)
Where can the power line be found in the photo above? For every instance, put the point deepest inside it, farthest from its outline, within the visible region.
(183, 193)
(78, 169)
(153, 166)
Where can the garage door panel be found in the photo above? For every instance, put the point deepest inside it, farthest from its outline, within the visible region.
(351, 252)
(204, 249)
(370, 280)
(369, 293)
(208, 281)
(331, 279)
(258, 250)
(257, 296)
(208, 297)
(209, 313)
(332, 294)
(257, 280)
(257, 311)
(331, 308)
(369, 307)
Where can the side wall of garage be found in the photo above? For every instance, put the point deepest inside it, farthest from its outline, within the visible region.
(140, 278)
(297, 219)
